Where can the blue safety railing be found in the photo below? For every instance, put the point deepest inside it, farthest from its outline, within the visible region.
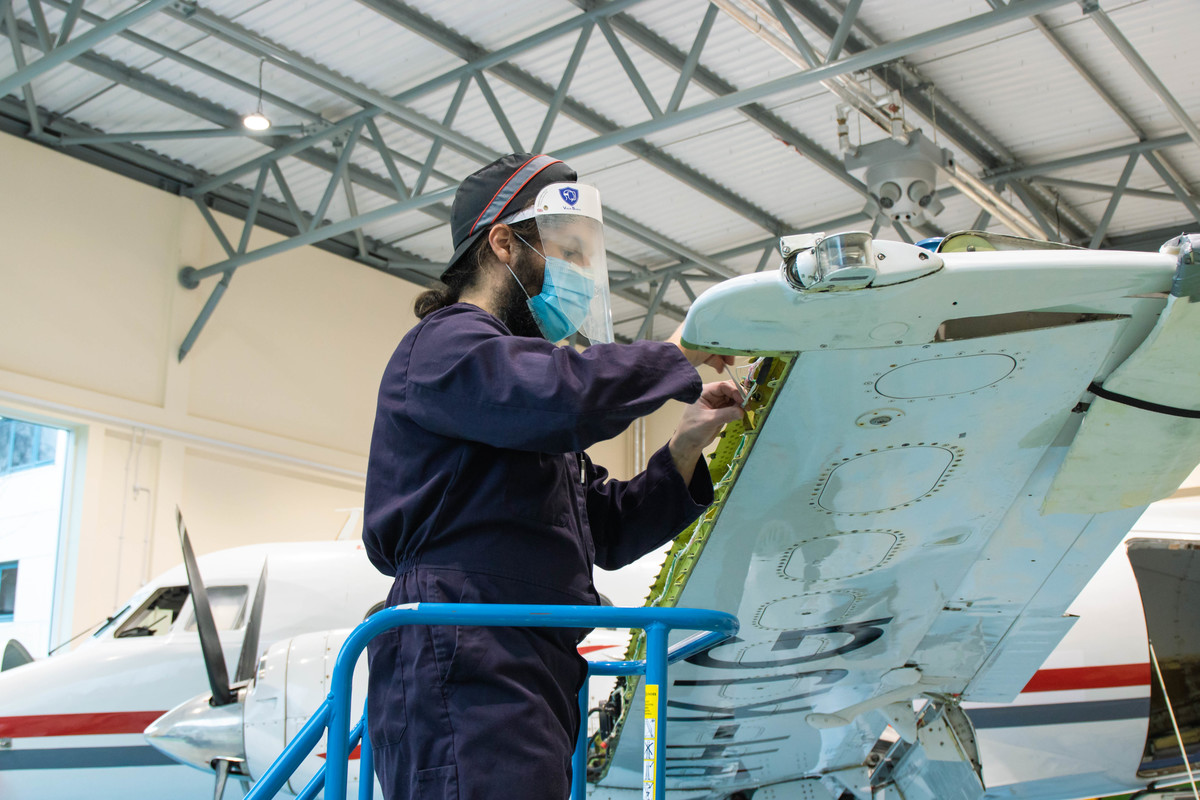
(334, 713)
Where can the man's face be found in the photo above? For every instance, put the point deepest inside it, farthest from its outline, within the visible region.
(514, 308)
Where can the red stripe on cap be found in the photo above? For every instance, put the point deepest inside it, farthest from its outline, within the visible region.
(499, 191)
(1076, 678)
(103, 723)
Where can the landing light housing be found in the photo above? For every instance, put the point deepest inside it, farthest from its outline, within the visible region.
(830, 263)
(814, 262)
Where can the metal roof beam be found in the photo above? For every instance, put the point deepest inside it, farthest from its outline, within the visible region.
(18, 54)
(865, 60)
(466, 49)
(958, 127)
(192, 63)
(1135, 60)
(245, 38)
(652, 43)
(1179, 190)
(203, 133)
(171, 176)
(84, 42)
(1102, 188)
(1120, 151)
(1118, 193)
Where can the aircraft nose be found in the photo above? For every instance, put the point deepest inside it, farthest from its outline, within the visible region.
(196, 732)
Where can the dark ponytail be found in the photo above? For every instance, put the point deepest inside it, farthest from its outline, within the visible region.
(464, 274)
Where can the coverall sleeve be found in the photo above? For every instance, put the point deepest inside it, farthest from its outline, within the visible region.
(631, 518)
(469, 379)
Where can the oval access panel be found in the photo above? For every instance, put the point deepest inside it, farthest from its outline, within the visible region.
(883, 480)
(939, 377)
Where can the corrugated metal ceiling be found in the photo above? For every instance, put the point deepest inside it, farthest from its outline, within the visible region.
(701, 186)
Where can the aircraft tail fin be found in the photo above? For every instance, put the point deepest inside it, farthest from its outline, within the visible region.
(14, 656)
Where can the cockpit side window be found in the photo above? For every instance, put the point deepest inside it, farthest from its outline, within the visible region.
(156, 615)
(228, 607)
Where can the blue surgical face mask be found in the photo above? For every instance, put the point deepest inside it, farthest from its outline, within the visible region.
(563, 303)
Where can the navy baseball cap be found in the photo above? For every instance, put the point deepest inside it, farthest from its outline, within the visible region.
(501, 188)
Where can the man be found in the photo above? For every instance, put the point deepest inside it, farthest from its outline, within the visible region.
(478, 489)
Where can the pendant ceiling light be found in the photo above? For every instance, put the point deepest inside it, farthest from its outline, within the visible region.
(258, 120)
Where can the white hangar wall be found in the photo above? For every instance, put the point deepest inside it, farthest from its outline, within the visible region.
(261, 434)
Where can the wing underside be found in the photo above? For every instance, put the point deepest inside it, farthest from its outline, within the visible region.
(879, 529)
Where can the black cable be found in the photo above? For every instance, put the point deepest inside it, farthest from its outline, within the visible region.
(1145, 405)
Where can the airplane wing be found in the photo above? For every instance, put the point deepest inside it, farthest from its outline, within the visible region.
(911, 505)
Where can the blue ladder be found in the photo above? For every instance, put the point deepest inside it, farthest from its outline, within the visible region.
(334, 713)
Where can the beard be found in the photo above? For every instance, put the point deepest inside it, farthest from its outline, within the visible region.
(514, 303)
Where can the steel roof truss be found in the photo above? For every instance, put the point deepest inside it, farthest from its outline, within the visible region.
(1087, 186)
(506, 127)
(631, 70)
(1131, 55)
(204, 133)
(693, 59)
(346, 148)
(849, 17)
(38, 14)
(68, 23)
(18, 54)
(80, 44)
(288, 198)
(435, 149)
(1111, 208)
(1180, 192)
(564, 83)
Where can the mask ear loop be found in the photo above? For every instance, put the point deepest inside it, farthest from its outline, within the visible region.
(510, 269)
(518, 280)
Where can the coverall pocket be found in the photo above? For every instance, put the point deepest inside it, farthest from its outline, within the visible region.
(386, 715)
(438, 783)
(457, 649)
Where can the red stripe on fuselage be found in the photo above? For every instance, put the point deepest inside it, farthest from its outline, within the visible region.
(591, 648)
(105, 722)
(1076, 678)
(355, 753)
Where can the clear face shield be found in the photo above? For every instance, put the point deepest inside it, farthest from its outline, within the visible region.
(575, 293)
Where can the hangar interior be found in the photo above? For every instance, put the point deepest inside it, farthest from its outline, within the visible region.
(196, 313)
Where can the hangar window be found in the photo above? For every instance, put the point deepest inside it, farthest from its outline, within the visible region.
(8, 590)
(24, 445)
(34, 466)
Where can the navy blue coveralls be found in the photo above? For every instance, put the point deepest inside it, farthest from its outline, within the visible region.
(478, 491)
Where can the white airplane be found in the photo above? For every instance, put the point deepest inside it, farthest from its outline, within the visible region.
(944, 449)
(73, 725)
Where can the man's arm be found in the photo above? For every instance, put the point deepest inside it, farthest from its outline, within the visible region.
(631, 518)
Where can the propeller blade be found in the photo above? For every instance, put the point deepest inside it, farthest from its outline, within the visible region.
(210, 643)
(249, 658)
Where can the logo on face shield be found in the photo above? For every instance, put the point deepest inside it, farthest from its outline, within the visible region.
(570, 194)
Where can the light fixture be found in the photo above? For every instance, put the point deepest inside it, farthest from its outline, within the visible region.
(258, 120)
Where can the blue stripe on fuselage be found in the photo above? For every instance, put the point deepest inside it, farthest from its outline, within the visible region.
(84, 758)
(1059, 713)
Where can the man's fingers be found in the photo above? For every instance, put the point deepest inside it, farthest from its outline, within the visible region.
(720, 394)
(718, 362)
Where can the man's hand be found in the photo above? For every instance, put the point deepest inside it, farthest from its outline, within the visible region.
(698, 357)
(719, 403)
